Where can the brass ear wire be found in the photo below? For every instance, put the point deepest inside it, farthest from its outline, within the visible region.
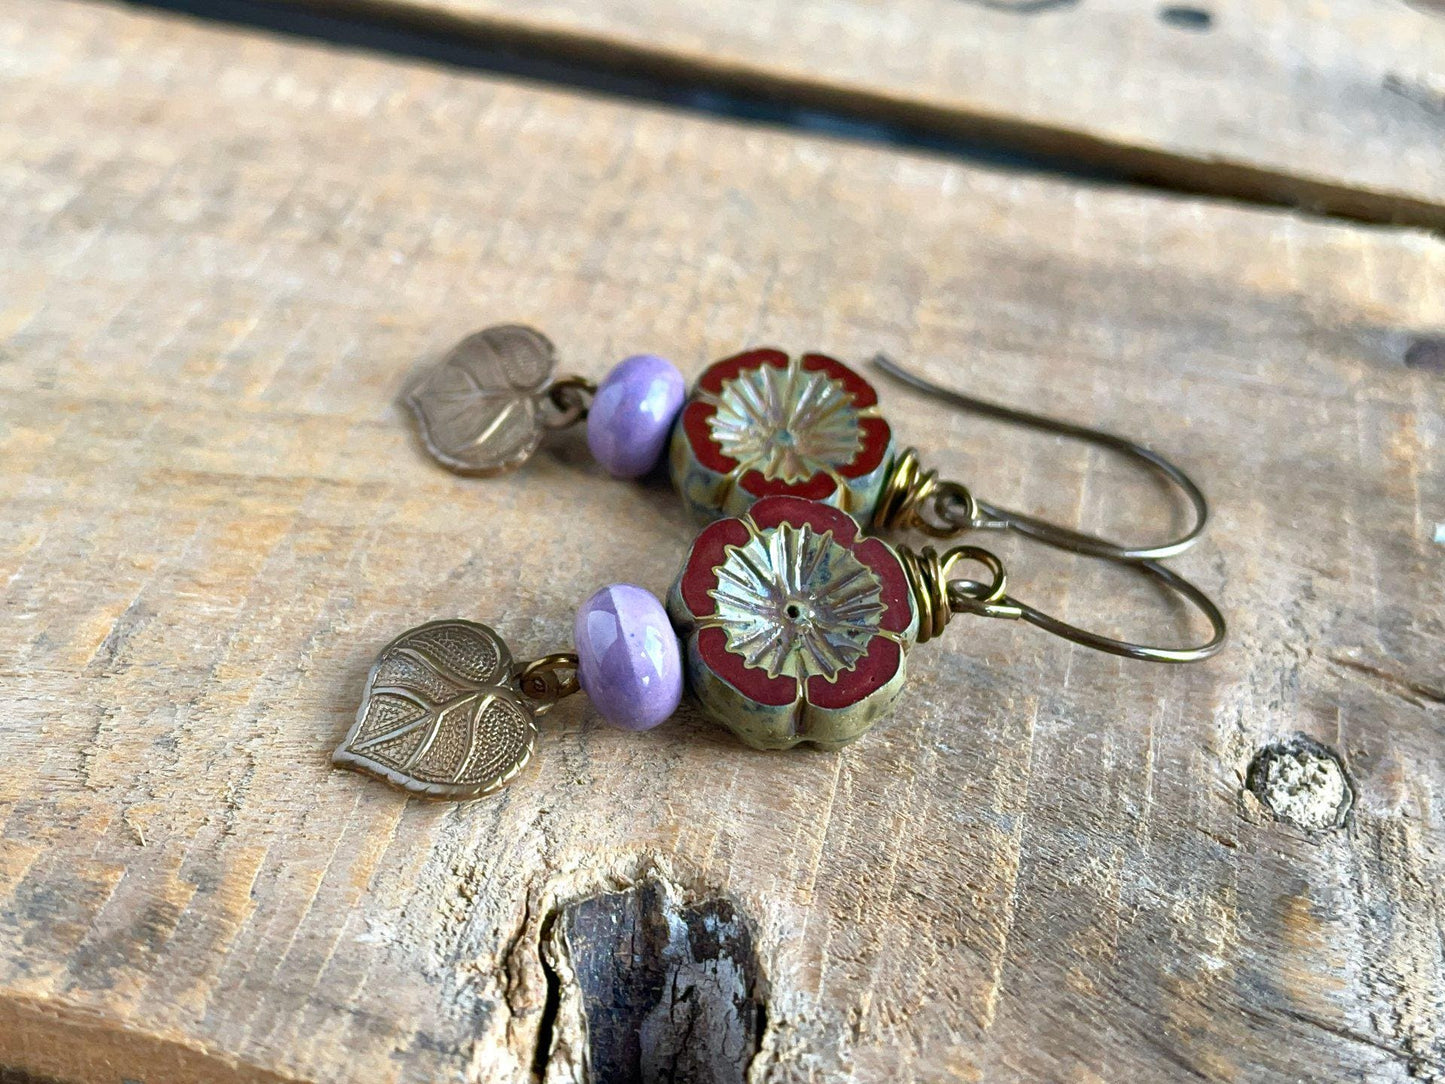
(938, 598)
(915, 498)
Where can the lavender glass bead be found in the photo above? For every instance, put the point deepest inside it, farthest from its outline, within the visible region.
(632, 414)
(628, 661)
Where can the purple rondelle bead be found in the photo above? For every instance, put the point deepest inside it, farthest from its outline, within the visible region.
(628, 660)
(632, 414)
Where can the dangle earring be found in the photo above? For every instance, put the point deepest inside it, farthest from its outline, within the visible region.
(757, 424)
(762, 423)
(794, 627)
(787, 621)
(797, 626)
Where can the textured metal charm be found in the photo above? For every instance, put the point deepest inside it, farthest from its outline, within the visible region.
(480, 409)
(442, 715)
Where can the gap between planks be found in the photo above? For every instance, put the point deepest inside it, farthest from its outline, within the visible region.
(753, 92)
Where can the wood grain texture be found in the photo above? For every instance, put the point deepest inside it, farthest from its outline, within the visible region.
(1338, 106)
(222, 256)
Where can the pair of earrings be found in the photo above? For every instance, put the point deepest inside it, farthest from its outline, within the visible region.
(790, 620)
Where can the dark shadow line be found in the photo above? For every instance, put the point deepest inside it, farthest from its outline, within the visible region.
(472, 47)
(638, 73)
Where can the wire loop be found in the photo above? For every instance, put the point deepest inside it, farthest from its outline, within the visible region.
(975, 593)
(571, 398)
(915, 498)
(548, 679)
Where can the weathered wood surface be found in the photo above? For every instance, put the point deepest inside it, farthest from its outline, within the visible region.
(220, 258)
(1339, 105)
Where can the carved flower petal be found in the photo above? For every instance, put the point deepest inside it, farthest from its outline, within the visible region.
(785, 422)
(897, 595)
(796, 626)
(720, 372)
(771, 511)
(861, 391)
(817, 488)
(871, 673)
(695, 423)
(753, 682)
(877, 438)
(699, 572)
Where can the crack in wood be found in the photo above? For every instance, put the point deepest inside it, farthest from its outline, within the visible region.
(551, 1002)
(669, 989)
(20, 1076)
(1417, 1065)
(751, 94)
(1407, 689)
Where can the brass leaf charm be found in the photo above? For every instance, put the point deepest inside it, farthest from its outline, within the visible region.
(441, 716)
(479, 409)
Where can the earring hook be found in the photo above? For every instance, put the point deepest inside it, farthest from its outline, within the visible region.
(938, 598)
(1054, 534)
(991, 600)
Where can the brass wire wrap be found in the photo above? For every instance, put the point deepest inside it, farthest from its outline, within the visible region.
(938, 600)
(914, 499)
(929, 589)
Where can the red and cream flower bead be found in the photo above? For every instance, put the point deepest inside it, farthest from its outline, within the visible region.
(762, 424)
(795, 626)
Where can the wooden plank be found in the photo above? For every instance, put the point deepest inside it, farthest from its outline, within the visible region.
(1338, 107)
(222, 255)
